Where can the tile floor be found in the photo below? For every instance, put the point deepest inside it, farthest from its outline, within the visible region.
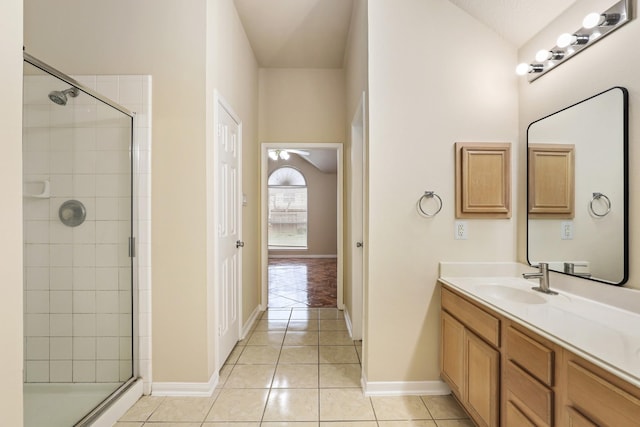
(302, 282)
(297, 368)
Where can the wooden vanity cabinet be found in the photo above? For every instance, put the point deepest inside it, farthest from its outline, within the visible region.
(470, 357)
(505, 374)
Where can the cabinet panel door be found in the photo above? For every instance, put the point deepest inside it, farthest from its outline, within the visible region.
(482, 394)
(452, 353)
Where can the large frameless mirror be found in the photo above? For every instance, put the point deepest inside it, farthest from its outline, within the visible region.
(577, 189)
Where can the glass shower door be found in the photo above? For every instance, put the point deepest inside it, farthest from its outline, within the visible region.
(78, 287)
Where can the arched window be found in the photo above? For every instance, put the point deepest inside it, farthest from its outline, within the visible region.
(287, 209)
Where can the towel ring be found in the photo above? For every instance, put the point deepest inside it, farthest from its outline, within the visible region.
(598, 196)
(429, 195)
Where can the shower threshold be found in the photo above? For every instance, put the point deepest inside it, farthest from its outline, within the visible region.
(62, 404)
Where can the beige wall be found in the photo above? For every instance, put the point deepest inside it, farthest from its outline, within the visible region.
(11, 323)
(611, 62)
(302, 105)
(133, 38)
(423, 100)
(322, 227)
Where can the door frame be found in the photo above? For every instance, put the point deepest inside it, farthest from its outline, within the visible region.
(355, 316)
(264, 214)
(212, 238)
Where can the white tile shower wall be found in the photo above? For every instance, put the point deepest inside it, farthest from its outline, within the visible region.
(77, 280)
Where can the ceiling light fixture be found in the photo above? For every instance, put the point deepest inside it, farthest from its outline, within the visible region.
(278, 153)
(594, 27)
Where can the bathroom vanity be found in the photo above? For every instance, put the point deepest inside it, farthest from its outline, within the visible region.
(515, 357)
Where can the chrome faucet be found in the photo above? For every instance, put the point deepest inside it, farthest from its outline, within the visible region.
(543, 275)
(570, 268)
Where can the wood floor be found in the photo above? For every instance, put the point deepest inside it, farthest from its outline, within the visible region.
(302, 282)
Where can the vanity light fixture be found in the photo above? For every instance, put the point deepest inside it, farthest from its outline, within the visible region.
(593, 20)
(567, 39)
(525, 68)
(545, 55)
(594, 27)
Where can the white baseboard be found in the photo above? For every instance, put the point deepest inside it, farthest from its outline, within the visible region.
(404, 388)
(302, 256)
(186, 389)
(347, 320)
(246, 328)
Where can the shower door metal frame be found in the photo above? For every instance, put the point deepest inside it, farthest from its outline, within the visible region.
(133, 158)
(62, 76)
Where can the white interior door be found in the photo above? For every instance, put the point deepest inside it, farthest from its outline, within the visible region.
(358, 183)
(228, 229)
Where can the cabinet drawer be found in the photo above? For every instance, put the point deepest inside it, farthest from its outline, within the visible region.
(515, 418)
(473, 317)
(600, 400)
(575, 419)
(532, 397)
(530, 355)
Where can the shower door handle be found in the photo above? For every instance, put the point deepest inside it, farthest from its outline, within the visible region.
(239, 244)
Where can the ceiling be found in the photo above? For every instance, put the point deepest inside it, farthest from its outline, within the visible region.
(297, 33)
(517, 21)
(313, 33)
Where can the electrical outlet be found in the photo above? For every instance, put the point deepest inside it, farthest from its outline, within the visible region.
(566, 230)
(461, 229)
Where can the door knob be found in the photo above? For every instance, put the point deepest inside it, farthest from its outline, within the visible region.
(239, 244)
(359, 244)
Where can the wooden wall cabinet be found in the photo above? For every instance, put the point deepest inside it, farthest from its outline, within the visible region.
(505, 374)
(483, 180)
(551, 181)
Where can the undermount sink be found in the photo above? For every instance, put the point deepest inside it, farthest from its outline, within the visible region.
(508, 293)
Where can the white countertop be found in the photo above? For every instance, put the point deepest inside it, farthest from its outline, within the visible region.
(606, 334)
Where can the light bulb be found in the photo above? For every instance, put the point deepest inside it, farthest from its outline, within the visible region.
(543, 55)
(273, 155)
(284, 155)
(565, 40)
(592, 20)
(522, 69)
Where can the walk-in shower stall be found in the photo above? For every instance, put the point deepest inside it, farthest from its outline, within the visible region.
(78, 275)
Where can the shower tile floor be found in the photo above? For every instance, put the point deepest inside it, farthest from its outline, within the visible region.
(302, 282)
(297, 368)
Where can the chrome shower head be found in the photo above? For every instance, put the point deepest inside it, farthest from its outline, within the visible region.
(60, 98)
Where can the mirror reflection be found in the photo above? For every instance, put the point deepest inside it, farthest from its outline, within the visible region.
(577, 189)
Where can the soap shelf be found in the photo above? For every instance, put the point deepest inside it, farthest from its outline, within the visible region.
(44, 194)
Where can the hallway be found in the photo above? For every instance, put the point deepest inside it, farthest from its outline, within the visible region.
(303, 282)
(299, 368)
